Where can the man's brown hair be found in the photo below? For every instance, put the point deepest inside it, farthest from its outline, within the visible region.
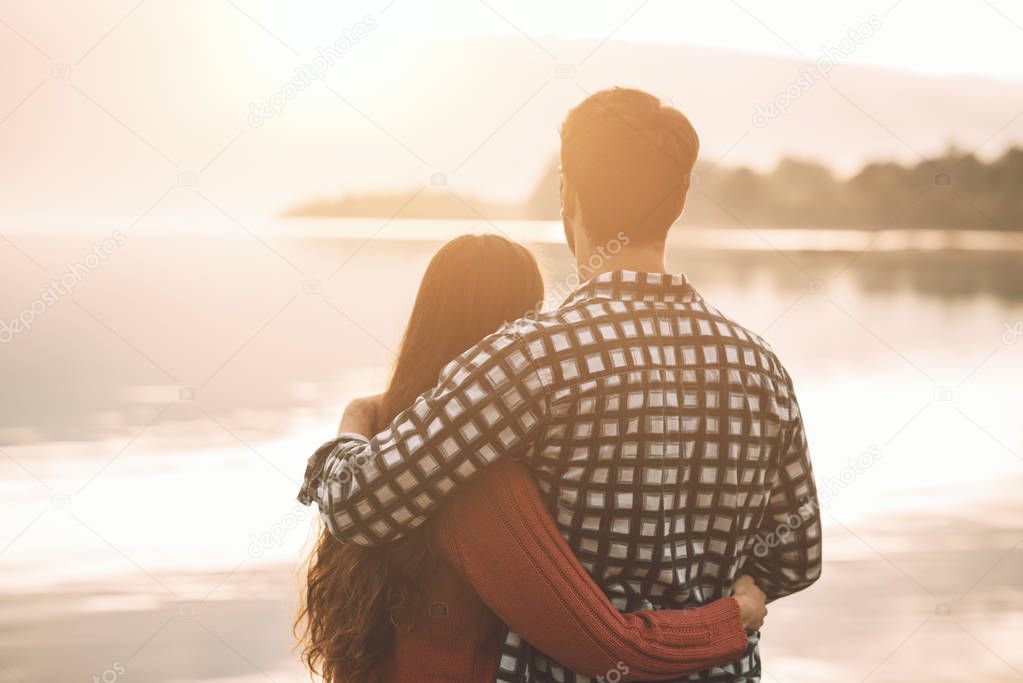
(628, 158)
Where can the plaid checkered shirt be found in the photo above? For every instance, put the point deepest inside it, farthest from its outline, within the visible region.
(665, 437)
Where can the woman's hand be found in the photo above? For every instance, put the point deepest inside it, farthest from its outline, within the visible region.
(360, 417)
(752, 602)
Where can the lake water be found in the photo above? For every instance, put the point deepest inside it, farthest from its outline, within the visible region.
(155, 424)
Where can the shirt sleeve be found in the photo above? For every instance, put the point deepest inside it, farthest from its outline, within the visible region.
(499, 536)
(786, 552)
(489, 403)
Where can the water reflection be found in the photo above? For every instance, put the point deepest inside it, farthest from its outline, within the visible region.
(172, 311)
(165, 489)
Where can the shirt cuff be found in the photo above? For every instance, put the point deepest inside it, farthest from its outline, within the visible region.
(725, 629)
(315, 467)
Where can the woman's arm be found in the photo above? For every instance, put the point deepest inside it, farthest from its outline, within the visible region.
(499, 536)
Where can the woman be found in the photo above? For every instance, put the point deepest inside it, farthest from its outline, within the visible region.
(433, 606)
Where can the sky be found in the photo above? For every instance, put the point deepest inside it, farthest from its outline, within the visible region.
(106, 105)
(938, 37)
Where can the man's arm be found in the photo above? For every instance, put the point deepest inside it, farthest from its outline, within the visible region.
(786, 553)
(498, 535)
(490, 402)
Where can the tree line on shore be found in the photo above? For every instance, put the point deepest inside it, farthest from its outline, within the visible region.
(954, 191)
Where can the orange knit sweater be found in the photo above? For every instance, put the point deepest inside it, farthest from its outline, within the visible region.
(508, 565)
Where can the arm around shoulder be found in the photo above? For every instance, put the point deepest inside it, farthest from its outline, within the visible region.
(489, 403)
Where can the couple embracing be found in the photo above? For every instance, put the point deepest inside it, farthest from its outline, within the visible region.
(576, 494)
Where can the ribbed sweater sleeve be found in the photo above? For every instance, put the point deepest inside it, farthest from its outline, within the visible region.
(499, 536)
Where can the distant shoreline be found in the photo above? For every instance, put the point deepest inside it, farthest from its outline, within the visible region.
(955, 191)
(683, 235)
(686, 234)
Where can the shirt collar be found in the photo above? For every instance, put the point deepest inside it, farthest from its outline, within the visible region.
(630, 285)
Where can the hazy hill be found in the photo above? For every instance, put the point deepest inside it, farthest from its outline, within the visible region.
(861, 124)
(483, 111)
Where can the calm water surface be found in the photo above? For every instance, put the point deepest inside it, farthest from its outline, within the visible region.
(156, 422)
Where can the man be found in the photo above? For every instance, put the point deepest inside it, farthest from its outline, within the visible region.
(665, 437)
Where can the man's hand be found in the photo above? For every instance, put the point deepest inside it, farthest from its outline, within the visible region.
(360, 417)
(752, 602)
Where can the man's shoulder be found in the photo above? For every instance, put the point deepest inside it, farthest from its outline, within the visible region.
(578, 325)
(734, 327)
(536, 324)
(505, 351)
(728, 327)
(583, 314)
(554, 330)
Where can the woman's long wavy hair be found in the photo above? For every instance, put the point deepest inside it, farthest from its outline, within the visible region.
(355, 596)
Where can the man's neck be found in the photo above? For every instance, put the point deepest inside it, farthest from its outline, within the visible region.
(644, 259)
